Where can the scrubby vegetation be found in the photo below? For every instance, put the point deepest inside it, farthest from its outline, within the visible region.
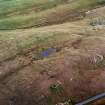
(101, 1)
(51, 51)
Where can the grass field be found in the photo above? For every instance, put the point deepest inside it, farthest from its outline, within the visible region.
(13, 7)
(68, 12)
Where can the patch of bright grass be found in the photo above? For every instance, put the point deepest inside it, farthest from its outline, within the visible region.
(52, 16)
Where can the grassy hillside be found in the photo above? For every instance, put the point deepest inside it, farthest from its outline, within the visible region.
(13, 7)
(78, 49)
(71, 11)
(58, 57)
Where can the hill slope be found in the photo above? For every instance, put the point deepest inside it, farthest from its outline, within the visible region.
(54, 63)
(61, 13)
